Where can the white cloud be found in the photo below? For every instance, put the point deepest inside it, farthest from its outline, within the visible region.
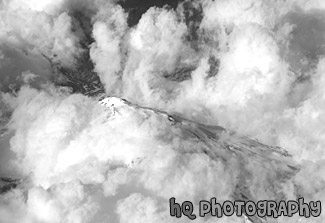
(76, 157)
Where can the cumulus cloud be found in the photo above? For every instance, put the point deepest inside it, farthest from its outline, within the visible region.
(38, 31)
(107, 52)
(255, 67)
(85, 156)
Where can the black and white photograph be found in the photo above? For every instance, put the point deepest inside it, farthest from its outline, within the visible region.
(162, 111)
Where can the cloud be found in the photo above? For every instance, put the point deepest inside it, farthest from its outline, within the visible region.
(255, 67)
(106, 52)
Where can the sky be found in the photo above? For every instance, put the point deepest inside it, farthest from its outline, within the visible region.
(255, 67)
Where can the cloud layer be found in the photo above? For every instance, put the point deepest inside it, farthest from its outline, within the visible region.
(256, 67)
